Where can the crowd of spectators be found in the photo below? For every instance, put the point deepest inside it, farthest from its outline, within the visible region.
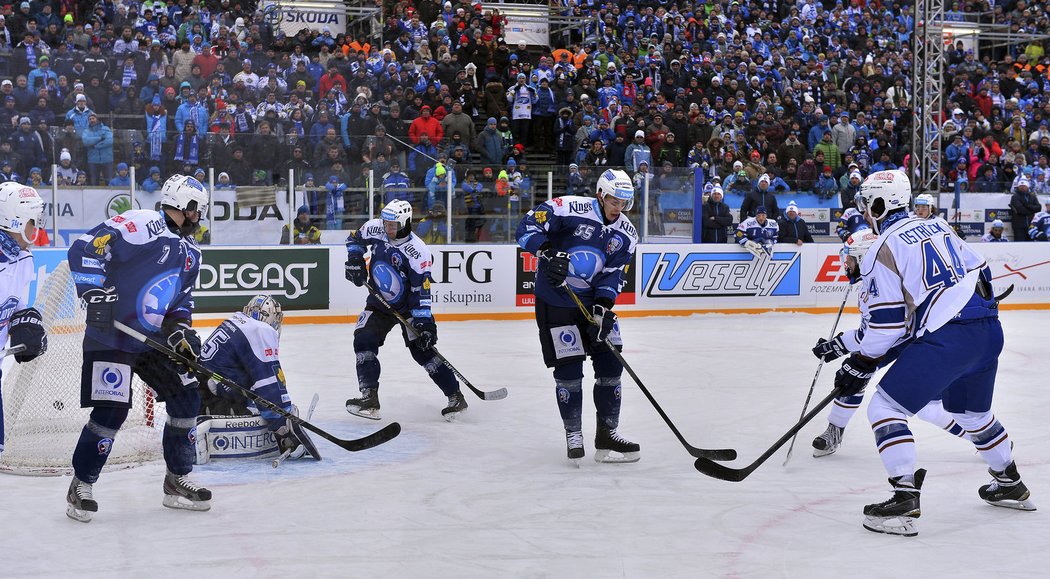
(766, 97)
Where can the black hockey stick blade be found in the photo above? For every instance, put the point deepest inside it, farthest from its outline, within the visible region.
(385, 434)
(713, 454)
(499, 394)
(727, 473)
(1006, 293)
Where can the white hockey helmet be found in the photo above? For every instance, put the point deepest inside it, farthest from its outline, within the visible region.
(398, 210)
(184, 193)
(883, 192)
(265, 309)
(18, 205)
(925, 199)
(617, 183)
(856, 246)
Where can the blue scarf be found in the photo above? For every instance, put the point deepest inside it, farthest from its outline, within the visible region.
(156, 136)
(129, 77)
(187, 150)
(242, 122)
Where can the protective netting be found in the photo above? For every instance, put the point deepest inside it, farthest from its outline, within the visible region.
(42, 413)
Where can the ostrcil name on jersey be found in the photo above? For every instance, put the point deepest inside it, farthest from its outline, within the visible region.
(671, 274)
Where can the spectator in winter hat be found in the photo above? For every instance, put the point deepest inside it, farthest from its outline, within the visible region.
(792, 228)
(153, 182)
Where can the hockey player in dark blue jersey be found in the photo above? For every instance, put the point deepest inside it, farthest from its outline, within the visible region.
(400, 272)
(139, 268)
(244, 348)
(584, 245)
(1040, 228)
(21, 211)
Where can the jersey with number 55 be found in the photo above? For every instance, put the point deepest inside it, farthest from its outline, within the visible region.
(598, 253)
(916, 277)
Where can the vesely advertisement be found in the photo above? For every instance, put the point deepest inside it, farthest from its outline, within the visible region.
(496, 281)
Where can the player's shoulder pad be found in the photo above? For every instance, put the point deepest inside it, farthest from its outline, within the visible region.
(140, 226)
(372, 229)
(262, 338)
(624, 226)
(417, 252)
(878, 252)
(749, 223)
(574, 205)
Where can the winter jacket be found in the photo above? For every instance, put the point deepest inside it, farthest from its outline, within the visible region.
(793, 230)
(755, 199)
(490, 144)
(426, 126)
(98, 141)
(717, 219)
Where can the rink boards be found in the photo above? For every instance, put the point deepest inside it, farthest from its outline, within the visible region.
(495, 281)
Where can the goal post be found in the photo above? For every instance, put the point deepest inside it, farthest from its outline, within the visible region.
(42, 413)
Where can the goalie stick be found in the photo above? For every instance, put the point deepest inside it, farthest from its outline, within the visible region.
(722, 472)
(699, 453)
(21, 347)
(309, 414)
(499, 394)
(385, 434)
(816, 375)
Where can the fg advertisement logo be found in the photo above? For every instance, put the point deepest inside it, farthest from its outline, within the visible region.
(694, 274)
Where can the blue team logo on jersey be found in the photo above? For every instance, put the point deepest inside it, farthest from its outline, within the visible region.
(388, 281)
(155, 298)
(6, 309)
(584, 263)
(614, 245)
(396, 260)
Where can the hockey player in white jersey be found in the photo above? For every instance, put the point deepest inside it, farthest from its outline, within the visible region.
(921, 281)
(400, 272)
(844, 407)
(758, 234)
(139, 268)
(245, 348)
(21, 210)
(1040, 228)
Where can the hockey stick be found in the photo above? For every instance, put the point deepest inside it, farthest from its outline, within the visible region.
(499, 394)
(723, 472)
(813, 385)
(309, 414)
(715, 454)
(12, 350)
(385, 434)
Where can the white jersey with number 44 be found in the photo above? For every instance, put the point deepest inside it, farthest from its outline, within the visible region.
(916, 277)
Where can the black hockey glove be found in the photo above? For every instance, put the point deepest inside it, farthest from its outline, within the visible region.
(829, 350)
(26, 330)
(854, 374)
(356, 270)
(100, 304)
(426, 332)
(557, 267)
(604, 320)
(183, 340)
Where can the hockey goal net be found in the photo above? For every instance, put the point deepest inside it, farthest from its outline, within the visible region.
(42, 413)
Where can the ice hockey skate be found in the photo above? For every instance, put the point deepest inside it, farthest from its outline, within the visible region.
(456, 406)
(367, 406)
(1007, 490)
(828, 442)
(574, 446)
(607, 442)
(80, 504)
(182, 493)
(897, 515)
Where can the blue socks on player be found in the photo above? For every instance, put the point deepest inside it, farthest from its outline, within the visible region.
(570, 403)
(96, 442)
(439, 372)
(607, 401)
(180, 431)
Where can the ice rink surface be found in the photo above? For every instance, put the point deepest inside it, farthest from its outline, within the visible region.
(493, 495)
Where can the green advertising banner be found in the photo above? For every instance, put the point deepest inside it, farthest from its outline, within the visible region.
(296, 277)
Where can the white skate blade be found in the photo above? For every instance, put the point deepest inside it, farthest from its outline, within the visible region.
(817, 453)
(371, 414)
(574, 462)
(77, 514)
(452, 416)
(1025, 505)
(606, 456)
(903, 526)
(181, 502)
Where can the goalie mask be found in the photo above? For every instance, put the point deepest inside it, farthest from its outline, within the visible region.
(265, 309)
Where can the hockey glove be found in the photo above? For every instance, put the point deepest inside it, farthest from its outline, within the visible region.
(829, 350)
(755, 248)
(356, 270)
(100, 304)
(604, 320)
(557, 267)
(426, 332)
(854, 374)
(27, 330)
(183, 340)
